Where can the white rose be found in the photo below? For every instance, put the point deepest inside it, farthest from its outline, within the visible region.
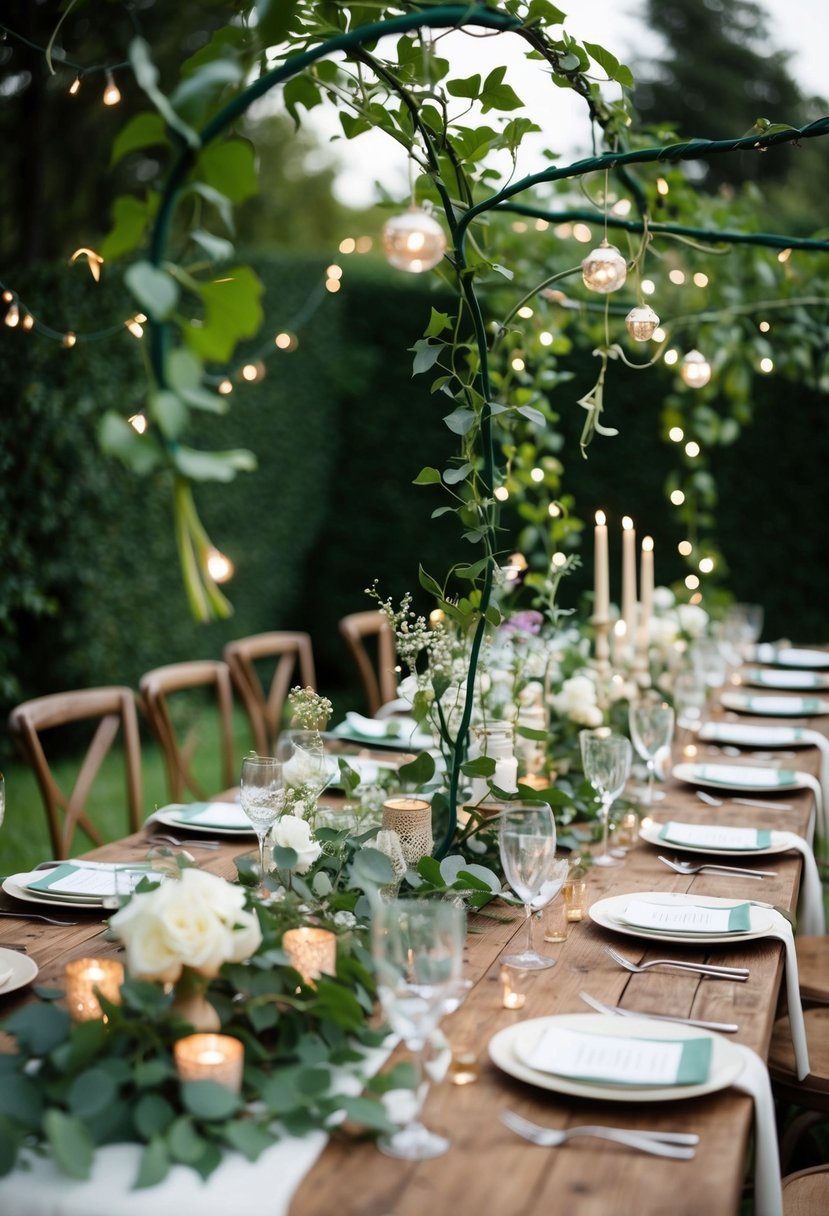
(663, 599)
(150, 955)
(692, 619)
(307, 767)
(290, 832)
(408, 689)
(663, 631)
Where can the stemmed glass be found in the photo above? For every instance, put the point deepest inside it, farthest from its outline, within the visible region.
(417, 947)
(651, 729)
(260, 793)
(689, 697)
(305, 763)
(606, 760)
(527, 841)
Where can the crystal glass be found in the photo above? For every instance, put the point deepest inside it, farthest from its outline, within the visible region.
(606, 760)
(709, 662)
(417, 947)
(306, 767)
(652, 730)
(750, 617)
(527, 842)
(260, 793)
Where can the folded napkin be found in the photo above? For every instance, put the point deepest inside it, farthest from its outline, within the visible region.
(790, 680)
(88, 880)
(690, 918)
(790, 656)
(608, 1059)
(210, 815)
(745, 776)
(390, 730)
(783, 930)
(811, 915)
(712, 836)
(754, 1081)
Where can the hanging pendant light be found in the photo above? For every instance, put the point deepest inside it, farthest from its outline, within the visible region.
(413, 241)
(695, 369)
(641, 322)
(604, 269)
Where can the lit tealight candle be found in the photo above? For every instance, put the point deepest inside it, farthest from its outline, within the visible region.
(210, 1057)
(86, 978)
(311, 952)
(512, 996)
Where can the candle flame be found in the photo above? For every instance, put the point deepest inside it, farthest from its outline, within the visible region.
(627, 523)
(647, 544)
(601, 518)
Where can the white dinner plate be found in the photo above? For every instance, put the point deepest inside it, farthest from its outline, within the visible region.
(402, 734)
(649, 832)
(608, 913)
(15, 885)
(170, 816)
(23, 970)
(775, 707)
(751, 734)
(740, 777)
(507, 1047)
(791, 656)
(793, 680)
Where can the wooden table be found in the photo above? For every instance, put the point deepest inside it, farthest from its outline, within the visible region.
(488, 1170)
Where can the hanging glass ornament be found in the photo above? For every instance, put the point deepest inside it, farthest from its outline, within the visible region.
(413, 241)
(604, 269)
(695, 369)
(641, 321)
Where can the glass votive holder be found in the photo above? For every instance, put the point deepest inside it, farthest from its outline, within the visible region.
(627, 830)
(463, 1067)
(555, 921)
(86, 978)
(312, 952)
(210, 1057)
(574, 896)
(514, 984)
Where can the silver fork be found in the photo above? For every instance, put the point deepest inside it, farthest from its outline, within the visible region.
(712, 970)
(685, 867)
(600, 1007)
(186, 844)
(678, 1145)
(37, 916)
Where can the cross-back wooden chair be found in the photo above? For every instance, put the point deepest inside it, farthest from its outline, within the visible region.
(114, 707)
(164, 693)
(249, 658)
(377, 675)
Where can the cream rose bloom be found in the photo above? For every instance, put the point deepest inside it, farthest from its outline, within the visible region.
(291, 832)
(197, 921)
(577, 701)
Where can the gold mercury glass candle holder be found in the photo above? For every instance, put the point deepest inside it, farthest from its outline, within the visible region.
(85, 979)
(514, 982)
(574, 894)
(312, 952)
(210, 1057)
(411, 818)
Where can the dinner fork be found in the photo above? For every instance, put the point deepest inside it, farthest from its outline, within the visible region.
(600, 1007)
(157, 837)
(678, 1145)
(37, 916)
(685, 867)
(713, 970)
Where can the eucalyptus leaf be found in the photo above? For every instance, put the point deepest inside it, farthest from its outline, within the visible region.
(146, 74)
(154, 1164)
(145, 130)
(69, 1143)
(184, 1143)
(155, 290)
(419, 771)
(452, 477)
(38, 1028)
(249, 1139)
(213, 466)
(208, 1100)
(91, 1092)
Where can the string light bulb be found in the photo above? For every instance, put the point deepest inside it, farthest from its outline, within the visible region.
(641, 322)
(94, 260)
(112, 94)
(219, 566)
(74, 86)
(604, 269)
(69, 339)
(27, 321)
(695, 369)
(413, 241)
(12, 317)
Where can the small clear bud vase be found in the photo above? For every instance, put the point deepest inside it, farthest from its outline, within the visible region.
(497, 741)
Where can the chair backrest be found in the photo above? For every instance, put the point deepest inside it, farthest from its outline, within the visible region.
(179, 739)
(249, 658)
(114, 708)
(378, 677)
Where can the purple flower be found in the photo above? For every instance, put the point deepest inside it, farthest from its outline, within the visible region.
(528, 621)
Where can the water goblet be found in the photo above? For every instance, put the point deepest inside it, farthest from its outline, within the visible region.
(417, 948)
(306, 767)
(651, 729)
(260, 794)
(606, 760)
(527, 843)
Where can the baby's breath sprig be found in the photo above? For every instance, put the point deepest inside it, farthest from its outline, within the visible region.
(309, 710)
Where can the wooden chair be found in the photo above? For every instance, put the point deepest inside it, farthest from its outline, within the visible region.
(811, 1094)
(168, 703)
(264, 710)
(806, 1193)
(114, 708)
(378, 677)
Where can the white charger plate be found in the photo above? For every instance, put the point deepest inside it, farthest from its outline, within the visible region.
(751, 734)
(608, 913)
(793, 680)
(15, 885)
(791, 656)
(170, 818)
(775, 707)
(745, 777)
(23, 970)
(508, 1045)
(649, 832)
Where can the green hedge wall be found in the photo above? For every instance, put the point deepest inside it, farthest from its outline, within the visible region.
(340, 429)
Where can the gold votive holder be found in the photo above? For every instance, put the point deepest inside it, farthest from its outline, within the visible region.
(627, 830)
(311, 952)
(464, 1068)
(556, 921)
(574, 894)
(210, 1057)
(514, 982)
(86, 978)
(411, 818)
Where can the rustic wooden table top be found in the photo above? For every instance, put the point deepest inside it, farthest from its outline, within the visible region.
(489, 1170)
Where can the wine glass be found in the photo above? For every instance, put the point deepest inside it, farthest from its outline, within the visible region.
(689, 698)
(527, 841)
(606, 760)
(260, 793)
(305, 765)
(651, 723)
(417, 947)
